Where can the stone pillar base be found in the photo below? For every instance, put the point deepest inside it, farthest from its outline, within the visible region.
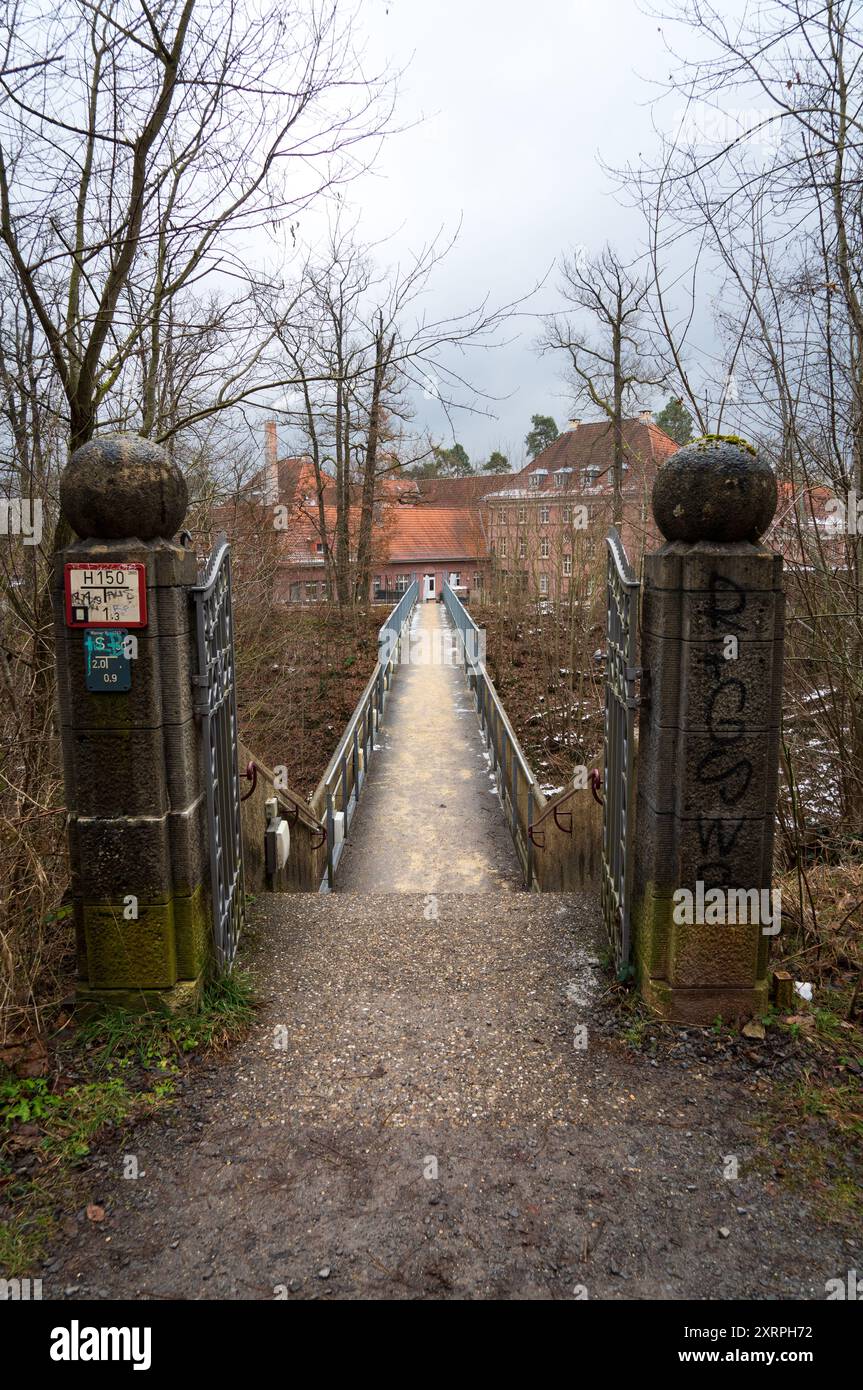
(705, 1006)
(183, 997)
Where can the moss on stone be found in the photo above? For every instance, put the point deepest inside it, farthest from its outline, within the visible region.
(138, 954)
(193, 932)
(705, 440)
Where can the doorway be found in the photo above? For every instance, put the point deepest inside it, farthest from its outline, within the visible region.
(428, 591)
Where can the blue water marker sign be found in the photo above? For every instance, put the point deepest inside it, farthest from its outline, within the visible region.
(106, 653)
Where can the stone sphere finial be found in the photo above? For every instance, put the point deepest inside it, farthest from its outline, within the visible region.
(715, 489)
(120, 485)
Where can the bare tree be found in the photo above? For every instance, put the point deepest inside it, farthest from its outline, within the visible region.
(757, 194)
(137, 145)
(359, 342)
(603, 333)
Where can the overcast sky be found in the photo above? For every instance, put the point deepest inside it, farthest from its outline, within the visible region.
(514, 102)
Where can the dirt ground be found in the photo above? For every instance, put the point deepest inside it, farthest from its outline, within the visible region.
(300, 673)
(435, 1102)
(552, 689)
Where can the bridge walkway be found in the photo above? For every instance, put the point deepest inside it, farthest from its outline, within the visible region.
(429, 819)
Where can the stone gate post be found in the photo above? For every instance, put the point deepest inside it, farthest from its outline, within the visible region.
(125, 656)
(712, 624)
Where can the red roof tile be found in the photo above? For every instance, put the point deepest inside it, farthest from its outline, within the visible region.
(434, 533)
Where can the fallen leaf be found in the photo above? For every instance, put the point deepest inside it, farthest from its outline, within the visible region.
(95, 1212)
(754, 1029)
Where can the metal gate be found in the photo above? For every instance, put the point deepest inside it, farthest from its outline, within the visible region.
(217, 707)
(619, 747)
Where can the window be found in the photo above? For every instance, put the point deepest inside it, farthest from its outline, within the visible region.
(295, 593)
(543, 583)
(591, 476)
(534, 480)
(477, 580)
(319, 548)
(502, 516)
(403, 583)
(564, 516)
(522, 515)
(311, 593)
(544, 513)
(522, 550)
(543, 548)
(591, 548)
(501, 549)
(567, 564)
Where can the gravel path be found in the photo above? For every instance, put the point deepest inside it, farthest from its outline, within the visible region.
(416, 1115)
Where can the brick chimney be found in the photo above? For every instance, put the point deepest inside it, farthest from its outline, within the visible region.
(646, 417)
(271, 463)
(574, 424)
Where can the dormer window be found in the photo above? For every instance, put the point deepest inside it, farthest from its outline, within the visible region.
(535, 480)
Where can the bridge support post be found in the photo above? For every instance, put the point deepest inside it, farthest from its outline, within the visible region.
(712, 625)
(131, 759)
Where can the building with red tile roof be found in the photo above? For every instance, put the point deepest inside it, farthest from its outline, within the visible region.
(539, 529)
(469, 529)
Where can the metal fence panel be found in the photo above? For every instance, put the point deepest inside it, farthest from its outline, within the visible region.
(619, 746)
(217, 707)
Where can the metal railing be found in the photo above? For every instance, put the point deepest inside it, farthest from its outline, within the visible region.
(342, 783)
(619, 747)
(518, 789)
(390, 631)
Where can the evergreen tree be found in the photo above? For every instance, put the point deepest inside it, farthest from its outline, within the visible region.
(676, 420)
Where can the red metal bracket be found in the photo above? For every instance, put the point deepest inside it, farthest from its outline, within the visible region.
(251, 774)
(532, 836)
(596, 784)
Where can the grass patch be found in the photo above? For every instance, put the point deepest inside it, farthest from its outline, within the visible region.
(48, 1125)
(53, 1131)
(161, 1040)
(811, 1141)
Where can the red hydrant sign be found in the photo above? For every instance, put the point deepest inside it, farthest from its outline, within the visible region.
(106, 596)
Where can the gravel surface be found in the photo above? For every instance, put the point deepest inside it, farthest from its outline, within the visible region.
(419, 1113)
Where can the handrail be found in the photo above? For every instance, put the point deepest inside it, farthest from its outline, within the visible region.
(625, 573)
(210, 573)
(345, 775)
(518, 784)
(302, 811)
(390, 629)
(465, 622)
